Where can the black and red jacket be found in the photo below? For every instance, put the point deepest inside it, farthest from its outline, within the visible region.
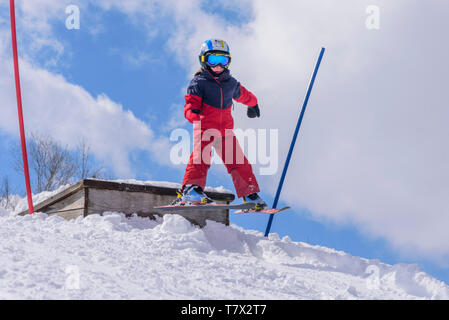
(209, 99)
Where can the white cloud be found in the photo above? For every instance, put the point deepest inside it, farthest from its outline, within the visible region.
(34, 27)
(67, 112)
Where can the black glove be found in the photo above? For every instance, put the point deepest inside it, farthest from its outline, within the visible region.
(253, 111)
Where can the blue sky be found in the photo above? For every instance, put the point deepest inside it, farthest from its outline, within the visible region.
(140, 64)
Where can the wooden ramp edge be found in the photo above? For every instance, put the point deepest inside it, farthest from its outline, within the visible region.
(92, 196)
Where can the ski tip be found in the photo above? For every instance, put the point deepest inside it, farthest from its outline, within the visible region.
(267, 210)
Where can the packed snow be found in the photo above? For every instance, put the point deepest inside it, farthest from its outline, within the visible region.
(115, 257)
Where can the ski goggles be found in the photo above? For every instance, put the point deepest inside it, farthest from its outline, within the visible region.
(215, 59)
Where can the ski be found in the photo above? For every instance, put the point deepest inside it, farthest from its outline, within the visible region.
(242, 206)
(268, 210)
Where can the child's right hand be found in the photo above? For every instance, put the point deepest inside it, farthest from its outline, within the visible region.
(193, 115)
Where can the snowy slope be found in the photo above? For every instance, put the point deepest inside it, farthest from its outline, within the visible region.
(114, 257)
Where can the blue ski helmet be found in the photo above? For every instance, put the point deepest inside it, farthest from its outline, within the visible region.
(215, 52)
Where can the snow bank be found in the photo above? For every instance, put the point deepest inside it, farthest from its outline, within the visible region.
(3, 212)
(114, 257)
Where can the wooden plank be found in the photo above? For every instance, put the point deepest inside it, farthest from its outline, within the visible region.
(86, 202)
(142, 204)
(41, 206)
(119, 186)
(69, 208)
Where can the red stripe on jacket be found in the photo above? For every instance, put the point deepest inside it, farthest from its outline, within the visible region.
(246, 97)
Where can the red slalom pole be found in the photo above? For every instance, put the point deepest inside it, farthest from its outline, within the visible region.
(19, 107)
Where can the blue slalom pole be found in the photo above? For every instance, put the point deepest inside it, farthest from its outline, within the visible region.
(292, 145)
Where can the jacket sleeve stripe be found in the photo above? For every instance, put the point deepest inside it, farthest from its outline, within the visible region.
(245, 96)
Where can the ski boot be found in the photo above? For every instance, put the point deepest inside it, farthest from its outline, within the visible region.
(258, 201)
(191, 194)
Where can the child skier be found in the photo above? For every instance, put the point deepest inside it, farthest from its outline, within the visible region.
(208, 107)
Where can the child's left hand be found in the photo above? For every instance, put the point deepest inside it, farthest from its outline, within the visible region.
(253, 111)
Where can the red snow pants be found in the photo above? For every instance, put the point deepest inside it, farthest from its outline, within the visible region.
(228, 149)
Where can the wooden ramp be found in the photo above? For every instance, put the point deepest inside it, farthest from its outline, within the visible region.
(91, 196)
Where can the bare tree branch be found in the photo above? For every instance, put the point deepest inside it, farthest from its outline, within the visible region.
(53, 165)
(5, 193)
(85, 163)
